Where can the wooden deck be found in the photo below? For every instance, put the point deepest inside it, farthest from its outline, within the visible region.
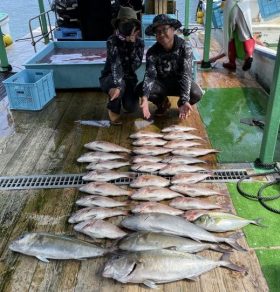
(49, 142)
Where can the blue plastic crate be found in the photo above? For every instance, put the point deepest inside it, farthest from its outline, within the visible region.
(269, 8)
(147, 19)
(30, 89)
(65, 33)
(217, 15)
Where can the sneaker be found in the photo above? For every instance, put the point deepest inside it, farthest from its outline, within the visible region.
(247, 64)
(229, 66)
(163, 108)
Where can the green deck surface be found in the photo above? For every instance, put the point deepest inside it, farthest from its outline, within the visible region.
(221, 110)
(266, 240)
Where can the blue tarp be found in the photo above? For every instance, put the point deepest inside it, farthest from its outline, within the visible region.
(269, 8)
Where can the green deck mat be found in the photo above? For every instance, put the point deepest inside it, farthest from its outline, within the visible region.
(221, 110)
(261, 238)
(269, 261)
(257, 236)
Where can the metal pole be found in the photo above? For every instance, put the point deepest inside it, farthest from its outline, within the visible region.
(272, 116)
(43, 22)
(187, 13)
(207, 38)
(5, 66)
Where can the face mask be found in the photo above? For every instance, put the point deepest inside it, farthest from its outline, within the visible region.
(126, 27)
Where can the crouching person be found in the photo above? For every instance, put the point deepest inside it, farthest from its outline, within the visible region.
(168, 70)
(125, 51)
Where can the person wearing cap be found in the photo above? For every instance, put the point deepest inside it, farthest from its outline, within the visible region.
(168, 70)
(238, 35)
(125, 51)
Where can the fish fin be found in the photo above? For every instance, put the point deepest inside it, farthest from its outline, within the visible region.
(232, 241)
(192, 278)
(43, 259)
(150, 284)
(226, 262)
(258, 222)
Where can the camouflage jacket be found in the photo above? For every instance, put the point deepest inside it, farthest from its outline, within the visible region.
(123, 59)
(170, 67)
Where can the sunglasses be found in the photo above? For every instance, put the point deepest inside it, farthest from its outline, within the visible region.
(164, 30)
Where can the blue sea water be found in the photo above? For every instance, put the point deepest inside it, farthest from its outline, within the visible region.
(20, 11)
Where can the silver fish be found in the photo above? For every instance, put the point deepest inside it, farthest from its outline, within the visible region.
(95, 213)
(194, 152)
(104, 189)
(103, 176)
(154, 194)
(153, 207)
(181, 136)
(146, 158)
(177, 128)
(151, 150)
(172, 169)
(174, 144)
(138, 241)
(145, 134)
(97, 156)
(161, 266)
(148, 166)
(189, 178)
(182, 159)
(149, 181)
(106, 147)
(90, 201)
(194, 191)
(191, 203)
(223, 222)
(99, 229)
(46, 246)
(157, 222)
(105, 165)
(149, 142)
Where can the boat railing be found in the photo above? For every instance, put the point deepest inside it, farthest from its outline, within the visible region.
(46, 35)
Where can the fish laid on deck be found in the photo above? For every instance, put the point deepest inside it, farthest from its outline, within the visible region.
(177, 128)
(153, 207)
(153, 193)
(104, 176)
(99, 229)
(97, 156)
(150, 181)
(191, 203)
(106, 147)
(99, 201)
(145, 134)
(46, 246)
(189, 178)
(104, 189)
(95, 213)
(194, 191)
(182, 159)
(156, 240)
(173, 169)
(175, 225)
(161, 266)
(105, 165)
(147, 166)
(222, 222)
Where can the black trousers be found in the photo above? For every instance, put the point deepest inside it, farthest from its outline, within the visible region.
(160, 91)
(128, 98)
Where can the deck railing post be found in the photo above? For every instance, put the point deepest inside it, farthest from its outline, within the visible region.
(44, 26)
(187, 13)
(207, 38)
(272, 119)
(5, 66)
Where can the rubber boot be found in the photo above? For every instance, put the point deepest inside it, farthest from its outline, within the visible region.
(114, 118)
(249, 47)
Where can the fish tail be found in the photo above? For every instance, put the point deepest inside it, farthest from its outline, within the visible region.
(218, 248)
(258, 222)
(226, 262)
(232, 241)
